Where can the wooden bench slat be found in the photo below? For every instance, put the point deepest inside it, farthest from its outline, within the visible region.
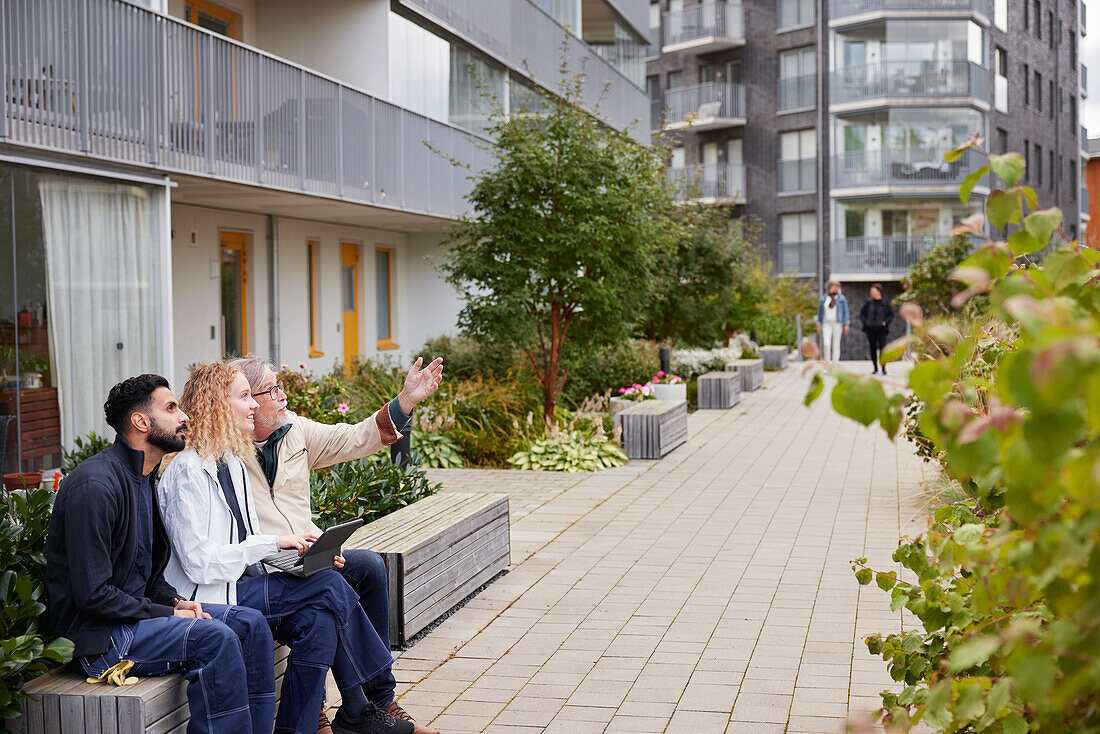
(461, 562)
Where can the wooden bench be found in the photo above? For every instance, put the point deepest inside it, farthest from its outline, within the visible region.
(719, 390)
(437, 552)
(62, 702)
(653, 428)
(775, 357)
(752, 373)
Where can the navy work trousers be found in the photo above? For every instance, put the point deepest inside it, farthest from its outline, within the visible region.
(227, 661)
(365, 571)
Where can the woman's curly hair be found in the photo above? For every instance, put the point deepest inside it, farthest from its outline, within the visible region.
(213, 431)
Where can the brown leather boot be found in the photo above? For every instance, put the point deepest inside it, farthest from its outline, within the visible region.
(395, 710)
(324, 726)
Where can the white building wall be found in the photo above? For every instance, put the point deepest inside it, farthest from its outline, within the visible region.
(432, 305)
(345, 39)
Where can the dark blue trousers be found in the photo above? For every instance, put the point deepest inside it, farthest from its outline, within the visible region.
(321, 621)
(365, 571)
(227, 661)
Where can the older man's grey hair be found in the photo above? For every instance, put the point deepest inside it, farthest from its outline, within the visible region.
(253, 368)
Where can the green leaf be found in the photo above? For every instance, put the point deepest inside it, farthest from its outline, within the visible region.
(1009, 167)
(994, 258)
(1042, 224)
(968, 534)
(1003, 208)
(973, 652)
(893, 351)
(1014, 723)
(1034, 676)
(864, 575)
(817, 385)
(886, 581)
(1022, 242)
(956, 153)
(862, 399)
(970, 182)
(1065, 268)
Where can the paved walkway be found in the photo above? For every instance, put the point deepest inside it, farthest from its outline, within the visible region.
(710, 591)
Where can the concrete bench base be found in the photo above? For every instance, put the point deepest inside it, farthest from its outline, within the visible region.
(653, 428)
(775, 357)
(719, 390)
(62, 702)
(752, 373)
(437, 550)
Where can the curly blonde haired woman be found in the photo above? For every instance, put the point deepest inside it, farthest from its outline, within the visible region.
(210, 516)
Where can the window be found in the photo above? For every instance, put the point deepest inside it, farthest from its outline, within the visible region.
(1050, 98)
(1050, 28)
(1050, 167)
(1038, 92)
(1000, 80)
(313, 260)
(1000, 14)
(797, 243)
(1037, 18)
(1001, 61)
(1027, 84)
(794, 14)
(1028, 172)
(798, 161)
(1002, 141)
(212, 17)
(656, 106)
(796, 79)
(1027, 16)
(674, 80)
(383, 266)
(1072, 48)
(234, 301)
(1038, 157)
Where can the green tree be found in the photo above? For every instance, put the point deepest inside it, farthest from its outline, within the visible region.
(703, 270)
(929, 283)
(560, 245)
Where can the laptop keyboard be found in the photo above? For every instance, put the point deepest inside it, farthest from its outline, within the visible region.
(285, 560)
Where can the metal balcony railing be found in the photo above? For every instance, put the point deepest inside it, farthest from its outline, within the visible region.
(845, 8)
(710, 181)
(656, 112)
(910, 79)
(907, 166)
(1084, 136)
(881, 255)
(798, 258)
(1085, 199)
(721, 100)
(798, 176)
(797, 93)
(112, 81)
(704, 21)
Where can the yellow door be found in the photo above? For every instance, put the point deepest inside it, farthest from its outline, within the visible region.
(349, 288)
(234, 282)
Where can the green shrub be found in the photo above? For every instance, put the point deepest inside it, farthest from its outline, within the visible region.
(929, 283)
(1005, 581)
(594, 371)
(465, 357)
(367, 488)
(370, 384)
(24, 651)
(84, 448)
(479, 415)
(569, 451)
(323, 399)
(436, 450)
(773, 328)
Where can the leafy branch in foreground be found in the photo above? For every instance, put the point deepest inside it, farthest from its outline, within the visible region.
(1005, 583)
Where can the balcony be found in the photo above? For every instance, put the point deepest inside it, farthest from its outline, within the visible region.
(709, 106)
(858, 10)
(704, 28)
(919, 82)
(909, 167)
(798, 176)
(715, 183)
(887, 255)
(178, 99)
(796, 93)
(798, 259)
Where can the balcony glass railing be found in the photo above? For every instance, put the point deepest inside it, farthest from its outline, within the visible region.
(797, 93)
(881, 255)
(910, 79)
(798, 258)
(1085, 199)
(798, 176)
(180, 99)
(709, 181)
(908, 166)
(845, 8)
(721, 100)
(707, 20)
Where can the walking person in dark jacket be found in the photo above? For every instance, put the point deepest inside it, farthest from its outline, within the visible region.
(105, 557)
(876, 316)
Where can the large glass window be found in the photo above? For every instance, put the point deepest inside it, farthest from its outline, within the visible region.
(619, 46)
(383, 271)
(796, 78)
(913, 42)
(80, 305)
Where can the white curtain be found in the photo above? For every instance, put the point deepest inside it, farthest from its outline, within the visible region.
(103, 266)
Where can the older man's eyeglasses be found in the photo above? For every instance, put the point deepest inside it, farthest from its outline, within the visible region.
(276, 393)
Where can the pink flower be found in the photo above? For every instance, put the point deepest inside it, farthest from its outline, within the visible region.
(622, 390)
(343, 408)
(660, 373)
(301, 365)
(656, 379)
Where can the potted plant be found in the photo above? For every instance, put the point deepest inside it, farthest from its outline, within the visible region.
(7, 368)
(22, 480)
(628, 396)
(667, 386)
(31, 369)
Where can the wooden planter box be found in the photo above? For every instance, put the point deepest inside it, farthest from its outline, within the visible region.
(775, 357)
(653, 428)
(719, 390)
(752, 373)
(437, 550)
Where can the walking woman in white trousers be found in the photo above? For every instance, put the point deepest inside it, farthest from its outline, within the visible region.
(832, 321)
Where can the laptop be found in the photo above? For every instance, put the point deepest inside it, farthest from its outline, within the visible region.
(319, 556)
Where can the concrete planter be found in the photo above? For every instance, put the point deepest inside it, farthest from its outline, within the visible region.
(671, 392)
(775, 357)
(618, 405)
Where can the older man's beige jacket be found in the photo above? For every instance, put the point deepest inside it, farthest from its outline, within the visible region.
(285, 507)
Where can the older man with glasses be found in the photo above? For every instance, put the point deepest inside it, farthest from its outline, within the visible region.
(289, 446)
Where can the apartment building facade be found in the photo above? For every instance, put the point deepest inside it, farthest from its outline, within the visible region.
(848, 109)
(182, 180)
